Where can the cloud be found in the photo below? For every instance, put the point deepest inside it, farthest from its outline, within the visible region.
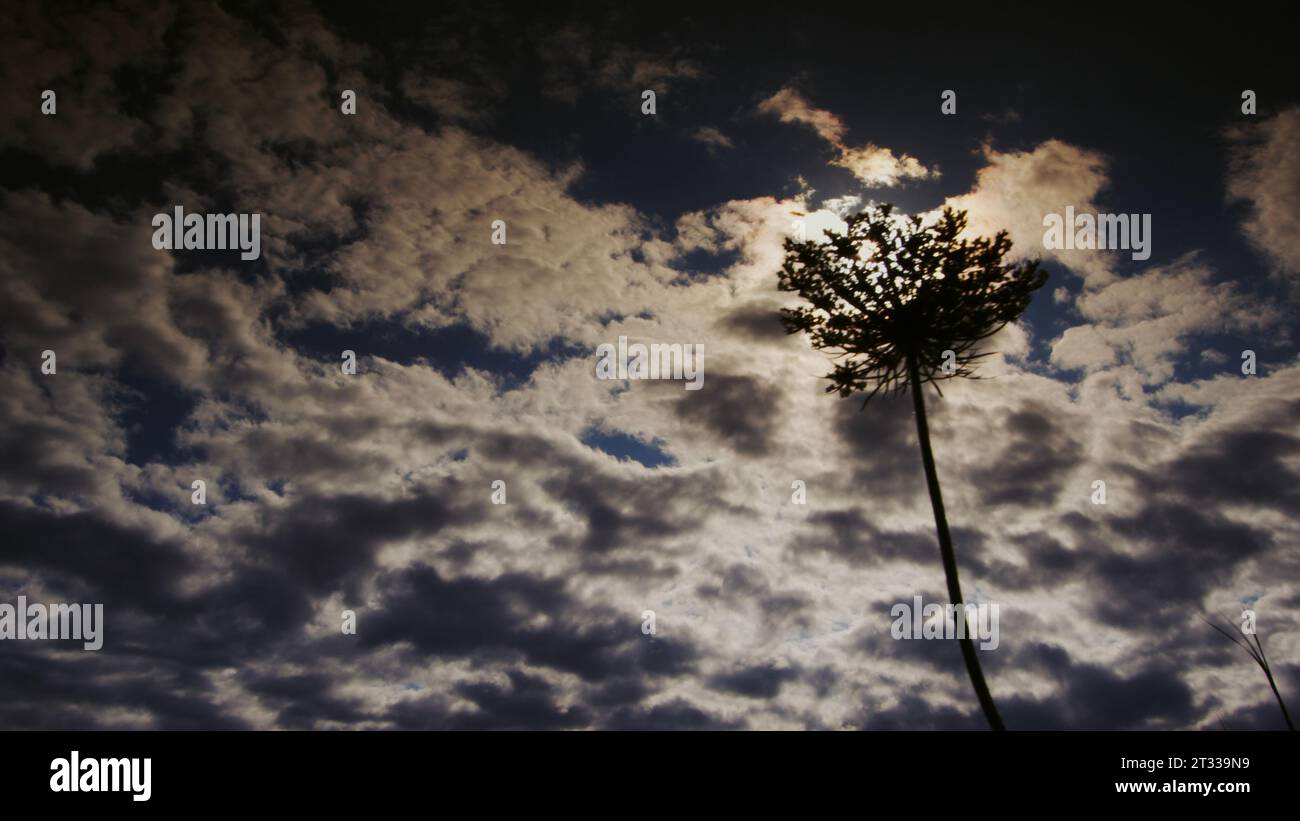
(712, 137)
(1015, 189)
(576, 59)
(1147, 320)
(1264, 171)
(626, 67)
(873, 165)
(77, 58)
(789, 106)
(373, 492)
(453, 100)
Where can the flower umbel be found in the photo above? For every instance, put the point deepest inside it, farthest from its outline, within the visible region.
(893, 287)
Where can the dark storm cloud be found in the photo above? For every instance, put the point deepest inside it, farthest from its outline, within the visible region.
(527, 704)
(677, 714)
(303, 455)
(1095, 698)
(519, 449)
(487, 619)
(322, 541)
(1166, 559)
(760, 322)
(303, 700)
(80, 691)
(27, 460)
(623, 512)
(1043, 562)
(119, 566)
(881, 443)
(758, 681)
(1244, 466)
(913, 712)
(1167, 556)
(1090, 697)
(619, 693)
(742, 410)
(1034, 463)
(263, 611)
(939, 657)
(1262, 716)
(850, 535)
(138, 578)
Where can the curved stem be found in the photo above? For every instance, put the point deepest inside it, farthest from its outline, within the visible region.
(1280, 703)
(1268, 671)
(945, 548)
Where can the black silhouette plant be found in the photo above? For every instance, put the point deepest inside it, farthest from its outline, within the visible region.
(1239, 637)
(899, 303)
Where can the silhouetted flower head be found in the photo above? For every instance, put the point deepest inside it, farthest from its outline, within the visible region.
(891, 287)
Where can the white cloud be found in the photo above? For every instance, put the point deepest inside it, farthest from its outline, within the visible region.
(873, 165)
(1015, 189)
(1147, 319)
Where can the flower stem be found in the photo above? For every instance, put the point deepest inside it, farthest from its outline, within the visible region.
(945, 548)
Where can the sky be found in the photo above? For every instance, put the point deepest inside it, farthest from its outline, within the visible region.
(496, 519)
